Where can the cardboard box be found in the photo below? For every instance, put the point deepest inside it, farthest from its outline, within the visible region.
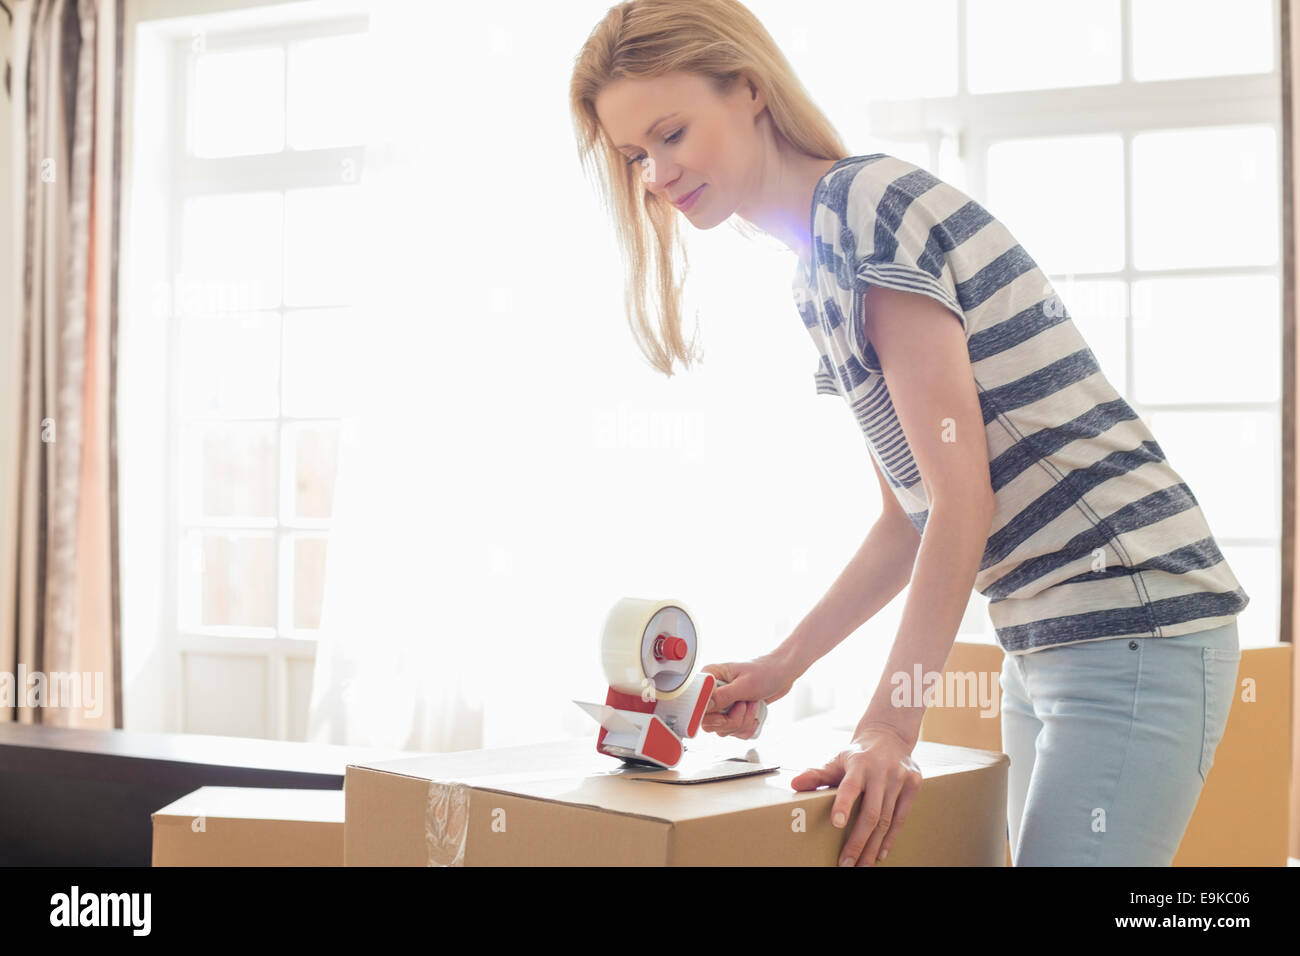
(562, 803)
(1252, 769)
(1252, 765)
(250, 826)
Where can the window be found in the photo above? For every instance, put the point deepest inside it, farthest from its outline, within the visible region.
(257, 145)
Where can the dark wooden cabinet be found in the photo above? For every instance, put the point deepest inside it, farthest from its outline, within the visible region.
(72, 797)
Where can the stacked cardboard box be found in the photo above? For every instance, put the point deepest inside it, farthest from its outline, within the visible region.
(250, 826)
(564, 804)
(1251, 765)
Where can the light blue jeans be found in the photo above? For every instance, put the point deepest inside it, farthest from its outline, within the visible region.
(1110, 743)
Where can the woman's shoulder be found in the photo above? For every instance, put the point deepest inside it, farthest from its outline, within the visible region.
(872, 177)
(887, 208)
(862, 202)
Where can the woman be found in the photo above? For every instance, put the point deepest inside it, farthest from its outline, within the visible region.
(1006, 461)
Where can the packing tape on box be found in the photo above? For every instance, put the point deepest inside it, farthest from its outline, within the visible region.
(446, 817)
(446, 823)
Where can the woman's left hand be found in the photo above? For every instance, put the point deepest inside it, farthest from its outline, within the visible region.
(877, 765)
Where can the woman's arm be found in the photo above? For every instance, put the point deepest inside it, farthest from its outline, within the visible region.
(924, 358)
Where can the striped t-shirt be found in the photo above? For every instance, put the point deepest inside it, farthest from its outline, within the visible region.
(1095, 535)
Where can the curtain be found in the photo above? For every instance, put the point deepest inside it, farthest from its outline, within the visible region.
(59, 634)
(514, 466)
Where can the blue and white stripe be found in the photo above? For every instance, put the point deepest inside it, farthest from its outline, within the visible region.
(1095, 535)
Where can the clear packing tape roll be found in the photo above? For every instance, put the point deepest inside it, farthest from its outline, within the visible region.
(635, 630)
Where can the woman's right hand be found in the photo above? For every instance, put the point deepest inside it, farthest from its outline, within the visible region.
(733, 709)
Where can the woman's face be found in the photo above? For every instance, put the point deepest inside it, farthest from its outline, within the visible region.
(681, 138)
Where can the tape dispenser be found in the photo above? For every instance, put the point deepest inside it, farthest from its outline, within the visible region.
(653, 705)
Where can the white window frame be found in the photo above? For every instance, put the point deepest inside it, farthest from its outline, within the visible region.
(177, 176)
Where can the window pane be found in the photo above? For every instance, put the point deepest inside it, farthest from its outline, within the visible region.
(230, 365)
(1173, 39)
(1259, 571)
(1211, 339)
(1062, 198)
(1097, 308)
(315, 448)
(919, 57)
(325, 100)
(1231, 462)
(308, 580)
(235, 579)
(915, 152)
(230, 252)
(1041, 44)
(897, 50)
(1205, 197)
(910, 151)
(320, 262)
(228, 471)
(952, 165)
(317, 377)
(238, 104)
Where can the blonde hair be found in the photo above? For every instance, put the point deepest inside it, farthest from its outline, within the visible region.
(719, 40)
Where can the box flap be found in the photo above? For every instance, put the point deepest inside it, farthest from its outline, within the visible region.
(255, 803)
